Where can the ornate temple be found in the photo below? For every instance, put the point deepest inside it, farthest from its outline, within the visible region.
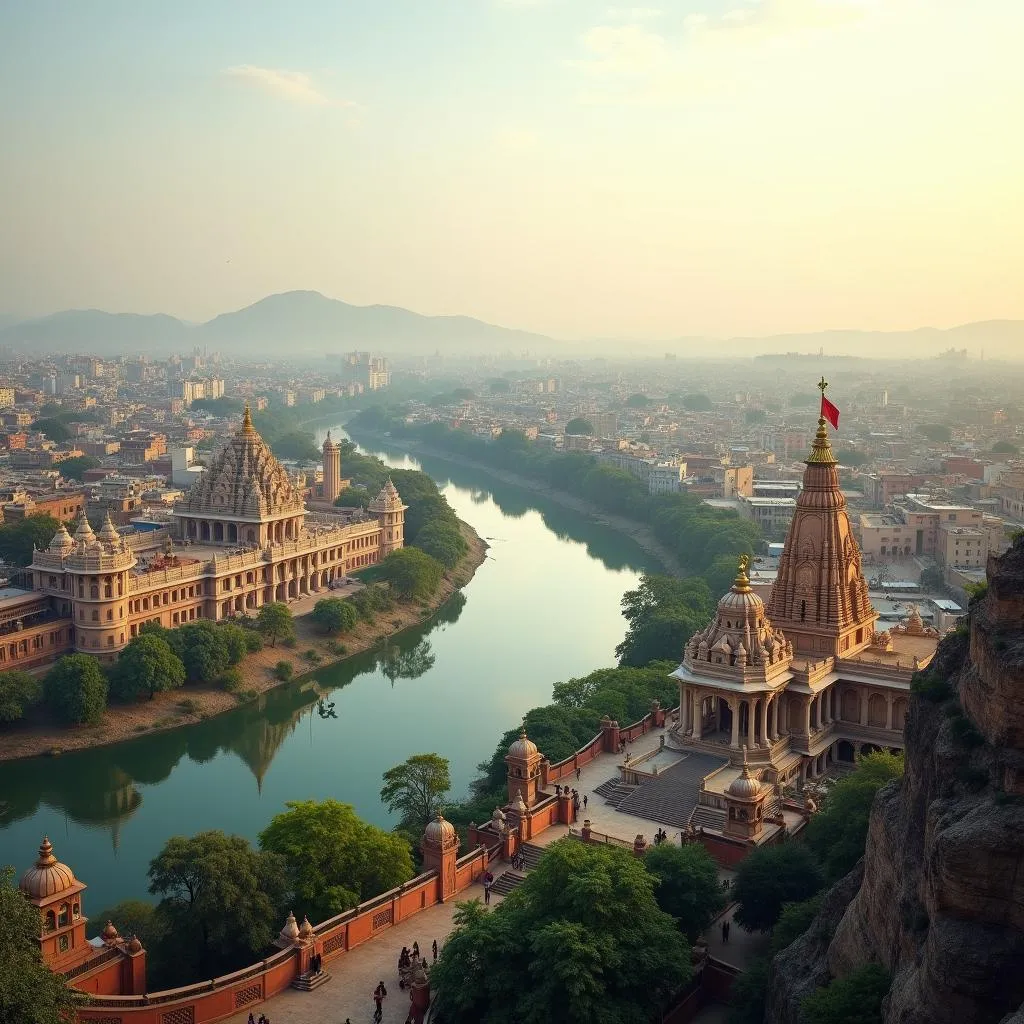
(241, 538)
(790, 688)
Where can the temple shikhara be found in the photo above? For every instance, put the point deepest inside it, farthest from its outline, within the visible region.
(241, 538)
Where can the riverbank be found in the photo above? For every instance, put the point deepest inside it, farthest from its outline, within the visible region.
(194, 703)
(639, 532)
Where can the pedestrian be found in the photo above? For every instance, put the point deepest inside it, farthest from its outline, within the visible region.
(434, 948)
(251, 1020)
(725, 931)
(584, 801)
(379, 995)
(487, 894)
(558, 789)
(579, 772)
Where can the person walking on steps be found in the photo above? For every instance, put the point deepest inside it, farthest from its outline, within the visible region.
(379, 995)
(434, 949)
(725, 931)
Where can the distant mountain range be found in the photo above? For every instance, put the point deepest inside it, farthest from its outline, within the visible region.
(308, 323)
(301, 323)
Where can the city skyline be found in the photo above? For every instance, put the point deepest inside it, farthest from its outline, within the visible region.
(569, 168)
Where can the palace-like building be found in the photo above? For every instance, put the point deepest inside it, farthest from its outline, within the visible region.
(241, 538)
(792, 686)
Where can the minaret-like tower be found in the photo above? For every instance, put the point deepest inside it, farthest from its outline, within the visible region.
(523, 765)
(820, 597)
(332, 469)
(388, 508)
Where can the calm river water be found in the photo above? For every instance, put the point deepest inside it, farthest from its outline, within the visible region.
(544, 606)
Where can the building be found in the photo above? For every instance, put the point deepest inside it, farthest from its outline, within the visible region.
(773, 515)
(332, 484)
(369, 371)
(66, 506)
(244, 539)
(796, 684)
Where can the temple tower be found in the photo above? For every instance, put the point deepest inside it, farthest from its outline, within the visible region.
(332, 469)
(523, 760)
(440, 849)
(745, 799)
(820, 597)
(388, 508)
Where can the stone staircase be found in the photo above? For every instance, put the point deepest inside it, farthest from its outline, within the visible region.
(532, 855)
(709, 817)
(614, 792)
(671, 796)
(309, 981)
(507, 881)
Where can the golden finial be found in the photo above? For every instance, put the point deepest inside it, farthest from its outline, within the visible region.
(822, 385)
(742, 582)
(247, 420)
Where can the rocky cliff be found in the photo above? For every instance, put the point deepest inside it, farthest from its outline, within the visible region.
(938, 899)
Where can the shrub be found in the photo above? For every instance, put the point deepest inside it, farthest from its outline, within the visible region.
(76, 690)
(855, 999)
(290, 642)
(244, 696)
(253, 641)
(312, 656)
(931, 687)
(337, 648)
(230, 680)
(283, 670)
(188, 706)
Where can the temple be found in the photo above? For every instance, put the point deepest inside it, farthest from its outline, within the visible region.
(241, 538)
(790, 688)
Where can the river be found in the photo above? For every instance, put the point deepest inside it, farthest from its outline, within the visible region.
(544, 606)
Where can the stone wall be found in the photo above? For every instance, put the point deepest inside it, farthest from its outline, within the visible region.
(941, 903)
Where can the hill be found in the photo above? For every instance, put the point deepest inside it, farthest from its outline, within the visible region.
(92, 330)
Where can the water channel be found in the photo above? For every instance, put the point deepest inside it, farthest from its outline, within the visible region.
(544, 606)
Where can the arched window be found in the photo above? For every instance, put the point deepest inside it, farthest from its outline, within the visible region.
(50, 921)
(63, 917)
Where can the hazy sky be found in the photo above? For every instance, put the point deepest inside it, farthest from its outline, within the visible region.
(704, 166)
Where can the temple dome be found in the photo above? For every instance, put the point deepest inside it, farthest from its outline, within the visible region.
(47, 877)
(134, 946)
(109, 933)
(290, 931)
(108, 534)
(440, 831)
(305, 929)
(523, 748)
(84, 535)
(244, 480)
(62, 541)
(744, 786)
(387, 499)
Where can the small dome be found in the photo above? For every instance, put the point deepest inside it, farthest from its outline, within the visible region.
(305, 929)
(48, 876)
(744, 786)
(519, 807)
(109, 933)
(134, 946)
(108, 534)
(84, 534)
(62, 541)
(440, 831)
(290, 931)
(523, 748)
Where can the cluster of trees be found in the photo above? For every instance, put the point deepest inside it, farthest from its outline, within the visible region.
(75, 691)
(19, 537)
(412, 574)
(663, 613)
(706, 540)
(75, 467)
(600, 922)
(779, 888)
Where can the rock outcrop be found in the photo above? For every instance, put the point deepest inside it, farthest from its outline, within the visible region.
(941, 903)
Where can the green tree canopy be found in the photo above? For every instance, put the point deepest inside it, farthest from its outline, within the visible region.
(223, 406)
(412, 573)
(202, 648)
(130, 917)
(688, 886)
(581, 941)
(838, 832)
(19, 691)
(30, 993)
(76, 690)
(748, 993)
(416, 789)
(145, 667)
(333, 615)
(697, 403)
(298, 445)
(855, 999)
(74, 468)
(499, 386)
(1005, 448)
(579, 426)
(937, 432)
(221, 901)
(19, 537)
(794, 920)
(334, 860)
(55, 429)
(663, 612)
(933, 578)
(638, 401)
(274, 621)
(442, 540)
(769, 877)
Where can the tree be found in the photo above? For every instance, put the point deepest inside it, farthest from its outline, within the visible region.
(794, 920)
(298, 445)
(937, 432)
(581, 940)
(333, 615)
(416, 789)
(769, 877)
(412, 573)
(221, 900)
(663, 613)
(1005, 448)
(76, 690)
(855, 999)
(334, 860)
(579, 426)
(696, 403)
(129, 917)
(145, 667)
(202, 648)
(444, 541)
(19, 691)
(274, 621)
(75, 468)
(19, 538)
(838, 832)
(53, 428)
(30, 993)
(688, 886)
(498, 386)
(748, 993)
(637, 401)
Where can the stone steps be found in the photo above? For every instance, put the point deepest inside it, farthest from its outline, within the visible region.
(712, 818)
(670, 797)
(309, 982)
(606, 787)
(507, 881)
(531, 855)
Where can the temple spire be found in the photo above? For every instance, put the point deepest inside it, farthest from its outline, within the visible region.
(247, 427)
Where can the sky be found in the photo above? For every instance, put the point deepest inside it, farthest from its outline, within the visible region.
(699, 167)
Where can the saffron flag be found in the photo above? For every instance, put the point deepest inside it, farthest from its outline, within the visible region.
(830, 412)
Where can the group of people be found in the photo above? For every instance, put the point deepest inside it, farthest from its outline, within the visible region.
(660, 837)
(262, 1019)
(316, 963)
(577, 800)
(519, 860)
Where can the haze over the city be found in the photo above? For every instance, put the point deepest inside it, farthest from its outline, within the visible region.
(708, 167)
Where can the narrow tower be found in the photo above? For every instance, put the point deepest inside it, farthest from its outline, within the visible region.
(820, 597)
(332, 469)
(388, 508)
